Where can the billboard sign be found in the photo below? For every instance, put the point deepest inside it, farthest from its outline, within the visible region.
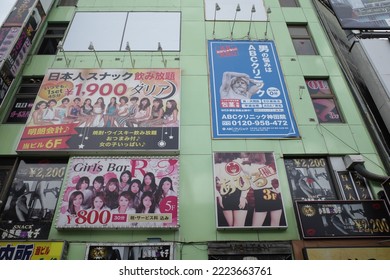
(130, 251)
(109, 192)
(106, 110)
(362, 14)
(343, 219)
(309, 179)
(32, 198)
(37, 250)
(249, 98)
(247, 191)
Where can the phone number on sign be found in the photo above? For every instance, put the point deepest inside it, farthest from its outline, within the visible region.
(255, 123)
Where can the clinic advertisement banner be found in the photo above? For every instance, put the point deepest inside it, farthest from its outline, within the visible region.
(130, 251)
(120, 193)
(105, 110)
(37, 250)
(347, 253)
(249, 98)
(343, 219)
(247, 191)
(32, 199)
(366, 15)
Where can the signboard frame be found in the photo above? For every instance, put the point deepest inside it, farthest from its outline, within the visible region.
(100, 178)
(343, 219)
(134, 251)
(249, 98)
(69, 128)
(248, 196)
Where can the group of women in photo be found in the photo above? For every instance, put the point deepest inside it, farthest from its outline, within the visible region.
(119, 112)
(123, 194)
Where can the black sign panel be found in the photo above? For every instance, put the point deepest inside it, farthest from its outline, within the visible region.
(21, 110)
(32, 198)
(343, 219)
(135, 251)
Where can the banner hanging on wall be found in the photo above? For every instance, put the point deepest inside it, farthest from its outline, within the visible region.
(249, 97)
(105, 110)
(247, 191)
(32, 199)
(120, 193)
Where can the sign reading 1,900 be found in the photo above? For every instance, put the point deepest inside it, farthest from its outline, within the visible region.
(47, 172)
(103, 89)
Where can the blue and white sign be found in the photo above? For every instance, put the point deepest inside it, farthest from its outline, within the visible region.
(248, 94)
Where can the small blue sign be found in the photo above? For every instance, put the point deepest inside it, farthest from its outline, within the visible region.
(248, 94)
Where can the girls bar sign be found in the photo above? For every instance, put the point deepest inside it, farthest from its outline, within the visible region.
(120, 193)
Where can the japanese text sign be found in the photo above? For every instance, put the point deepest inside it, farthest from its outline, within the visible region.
(249, 98)
(105, 109)
(120, 192)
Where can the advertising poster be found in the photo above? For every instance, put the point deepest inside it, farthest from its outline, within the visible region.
(32, 198)
(130, 251)
(324, 106)
(309, 179)
(249, 98)
(343, 219)
(362, 14)
(109, 192)
(247, 191)
(37, 250)
(347, 253)
(105, 110)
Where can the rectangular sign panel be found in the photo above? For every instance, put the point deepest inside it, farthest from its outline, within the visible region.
(51, 250)
(249, 98)
(130, 251)
(343, 219)
(347, 253)
(32, 198)
(309, 179)
(362, 14)
(247, 191)
(109, 192)
(105, 110)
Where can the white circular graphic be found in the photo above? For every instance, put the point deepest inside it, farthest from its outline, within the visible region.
(273, 92)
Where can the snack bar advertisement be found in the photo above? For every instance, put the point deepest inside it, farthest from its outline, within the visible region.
(249, 98)
(343, 219)
(120, 193)
(106, 110)
(247, 191)
(32, 198)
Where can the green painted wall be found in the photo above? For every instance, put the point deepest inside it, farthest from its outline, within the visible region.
(197, 218)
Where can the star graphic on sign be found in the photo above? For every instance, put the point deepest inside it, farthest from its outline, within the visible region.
(81, 146)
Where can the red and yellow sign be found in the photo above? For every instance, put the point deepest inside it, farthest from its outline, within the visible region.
(32, 250)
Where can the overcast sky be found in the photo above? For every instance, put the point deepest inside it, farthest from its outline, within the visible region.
(5, 8)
